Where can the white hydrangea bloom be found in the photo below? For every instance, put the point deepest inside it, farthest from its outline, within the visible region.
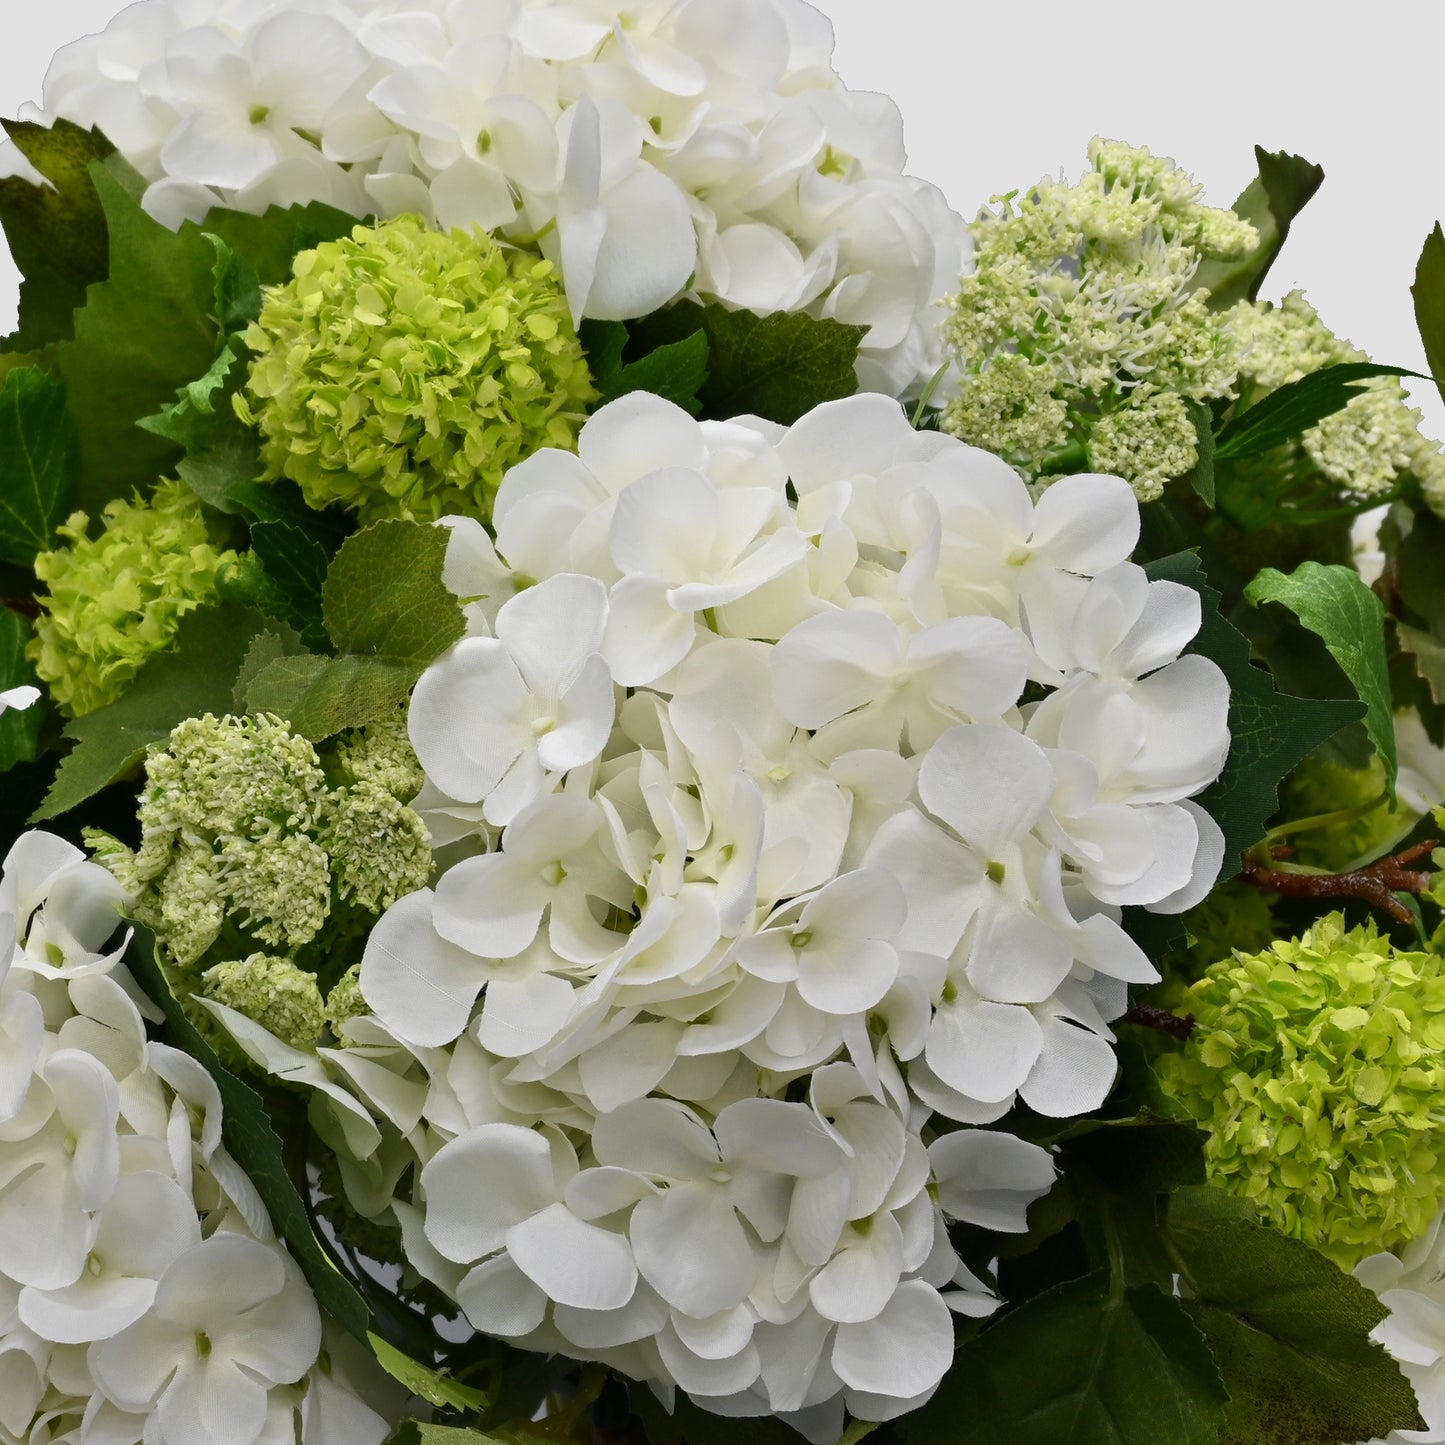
(142, 1291)
(872, 748)
(651, 150)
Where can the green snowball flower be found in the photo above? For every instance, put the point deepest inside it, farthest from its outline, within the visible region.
(402, 371)
(346, 1002)
(1317, 1067)
(113, 600)
(272, 992)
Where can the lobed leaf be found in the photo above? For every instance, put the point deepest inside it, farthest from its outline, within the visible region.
(38, 463)
(1334, 603)
(434, 1386)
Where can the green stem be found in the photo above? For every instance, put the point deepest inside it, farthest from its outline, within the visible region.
(1324, 820)
(928, 394)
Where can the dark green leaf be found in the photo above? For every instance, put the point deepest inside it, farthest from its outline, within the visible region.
(269, 242)
(675, 371)
(142, 334)
(1270, 731)
(433, 1386)
(384, 596)
(697, 1426)
(254, 1145)
(56, 232)
(1293, 409)
(1419, 577)
(19, 727)
(778, 366)
(194, 676)
(38, 462)
(1202, 477)
(1428, 655)
(266, 647)
(1429, 294)
(1079, 1365)
(1272, 200)
(296, 562)
(322, 696)
(1288, 1329)
(1334, 603)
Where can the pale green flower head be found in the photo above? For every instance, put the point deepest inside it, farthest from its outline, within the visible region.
(345, 1002)
(272, 992)
(1317, 1068)
(402, 371)
(113, 600)
(1233, 917)
(1082, 316)
(380, 849)
(381, 753)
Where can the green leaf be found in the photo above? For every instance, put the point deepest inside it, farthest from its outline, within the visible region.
(38, 463)
(296, 562)
(384, 595)
(675, 371)
(778, 366)
(1270, 731)
(254, 1145)
(1429, 294)
(1334, 603)
(1079, 1365)
(142, 334)
(433, 1386)
(1201, 478)
(1292, 410)
(19, 727)
(1288, 1330)
(194, 676)
(1279, 193)
(57, 232)
(686, 1421)
(322, 696)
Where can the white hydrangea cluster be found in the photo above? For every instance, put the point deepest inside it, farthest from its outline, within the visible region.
(1412, 1286)
(787, 788)
(651, 148)
(143, 1294)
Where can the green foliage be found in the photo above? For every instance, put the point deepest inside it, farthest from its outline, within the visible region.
(1335, 604)
(1084, 1363)
(38, 463)
(269, 242)
(57, 232)
(1292, 410)
(143, 333)
(1270, 731)
(697, 1426)
(778, 366)
(387, 615)
(19, 727)
(1201, 479)
(433, 1386)
(193, 678)
(255, 1146)
(1429, 294)
(1271, 201)
(1288, 1330)
(296, 563)
(675, 371)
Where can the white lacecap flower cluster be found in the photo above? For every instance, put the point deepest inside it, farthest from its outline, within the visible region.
(788, 786)
(142, 1291)
(652, 149)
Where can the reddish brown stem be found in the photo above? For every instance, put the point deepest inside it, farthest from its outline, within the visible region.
(1376, 883)
(25, 606)
(1147, 1015)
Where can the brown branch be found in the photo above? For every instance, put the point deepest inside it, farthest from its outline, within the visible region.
(1376, 883)
(1148, 1016)
(25, 606)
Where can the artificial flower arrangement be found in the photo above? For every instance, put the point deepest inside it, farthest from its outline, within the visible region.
(683, 797)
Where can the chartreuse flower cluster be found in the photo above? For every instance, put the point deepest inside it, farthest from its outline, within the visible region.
(1081, 336)
(254, 869)
(1318, 1067)
(1365, 449)
(402, 370)
(113, 600)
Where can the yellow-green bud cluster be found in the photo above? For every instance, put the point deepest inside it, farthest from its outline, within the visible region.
(1318, 1068)
(402, 371)
(1234, 916)
(256, 874)
(1369, 445)
(113, 600)
(274, 993)
(1081, 331)
(345, 1002)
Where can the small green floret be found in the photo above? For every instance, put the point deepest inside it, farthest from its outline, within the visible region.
(272, 992)
(1318, 1068)
(1082, 333)
(402, 371)
(380, 849)
(381, 753)
(345, 1002)
(112, 601)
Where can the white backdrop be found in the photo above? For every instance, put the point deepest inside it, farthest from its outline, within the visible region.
(996, 95)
